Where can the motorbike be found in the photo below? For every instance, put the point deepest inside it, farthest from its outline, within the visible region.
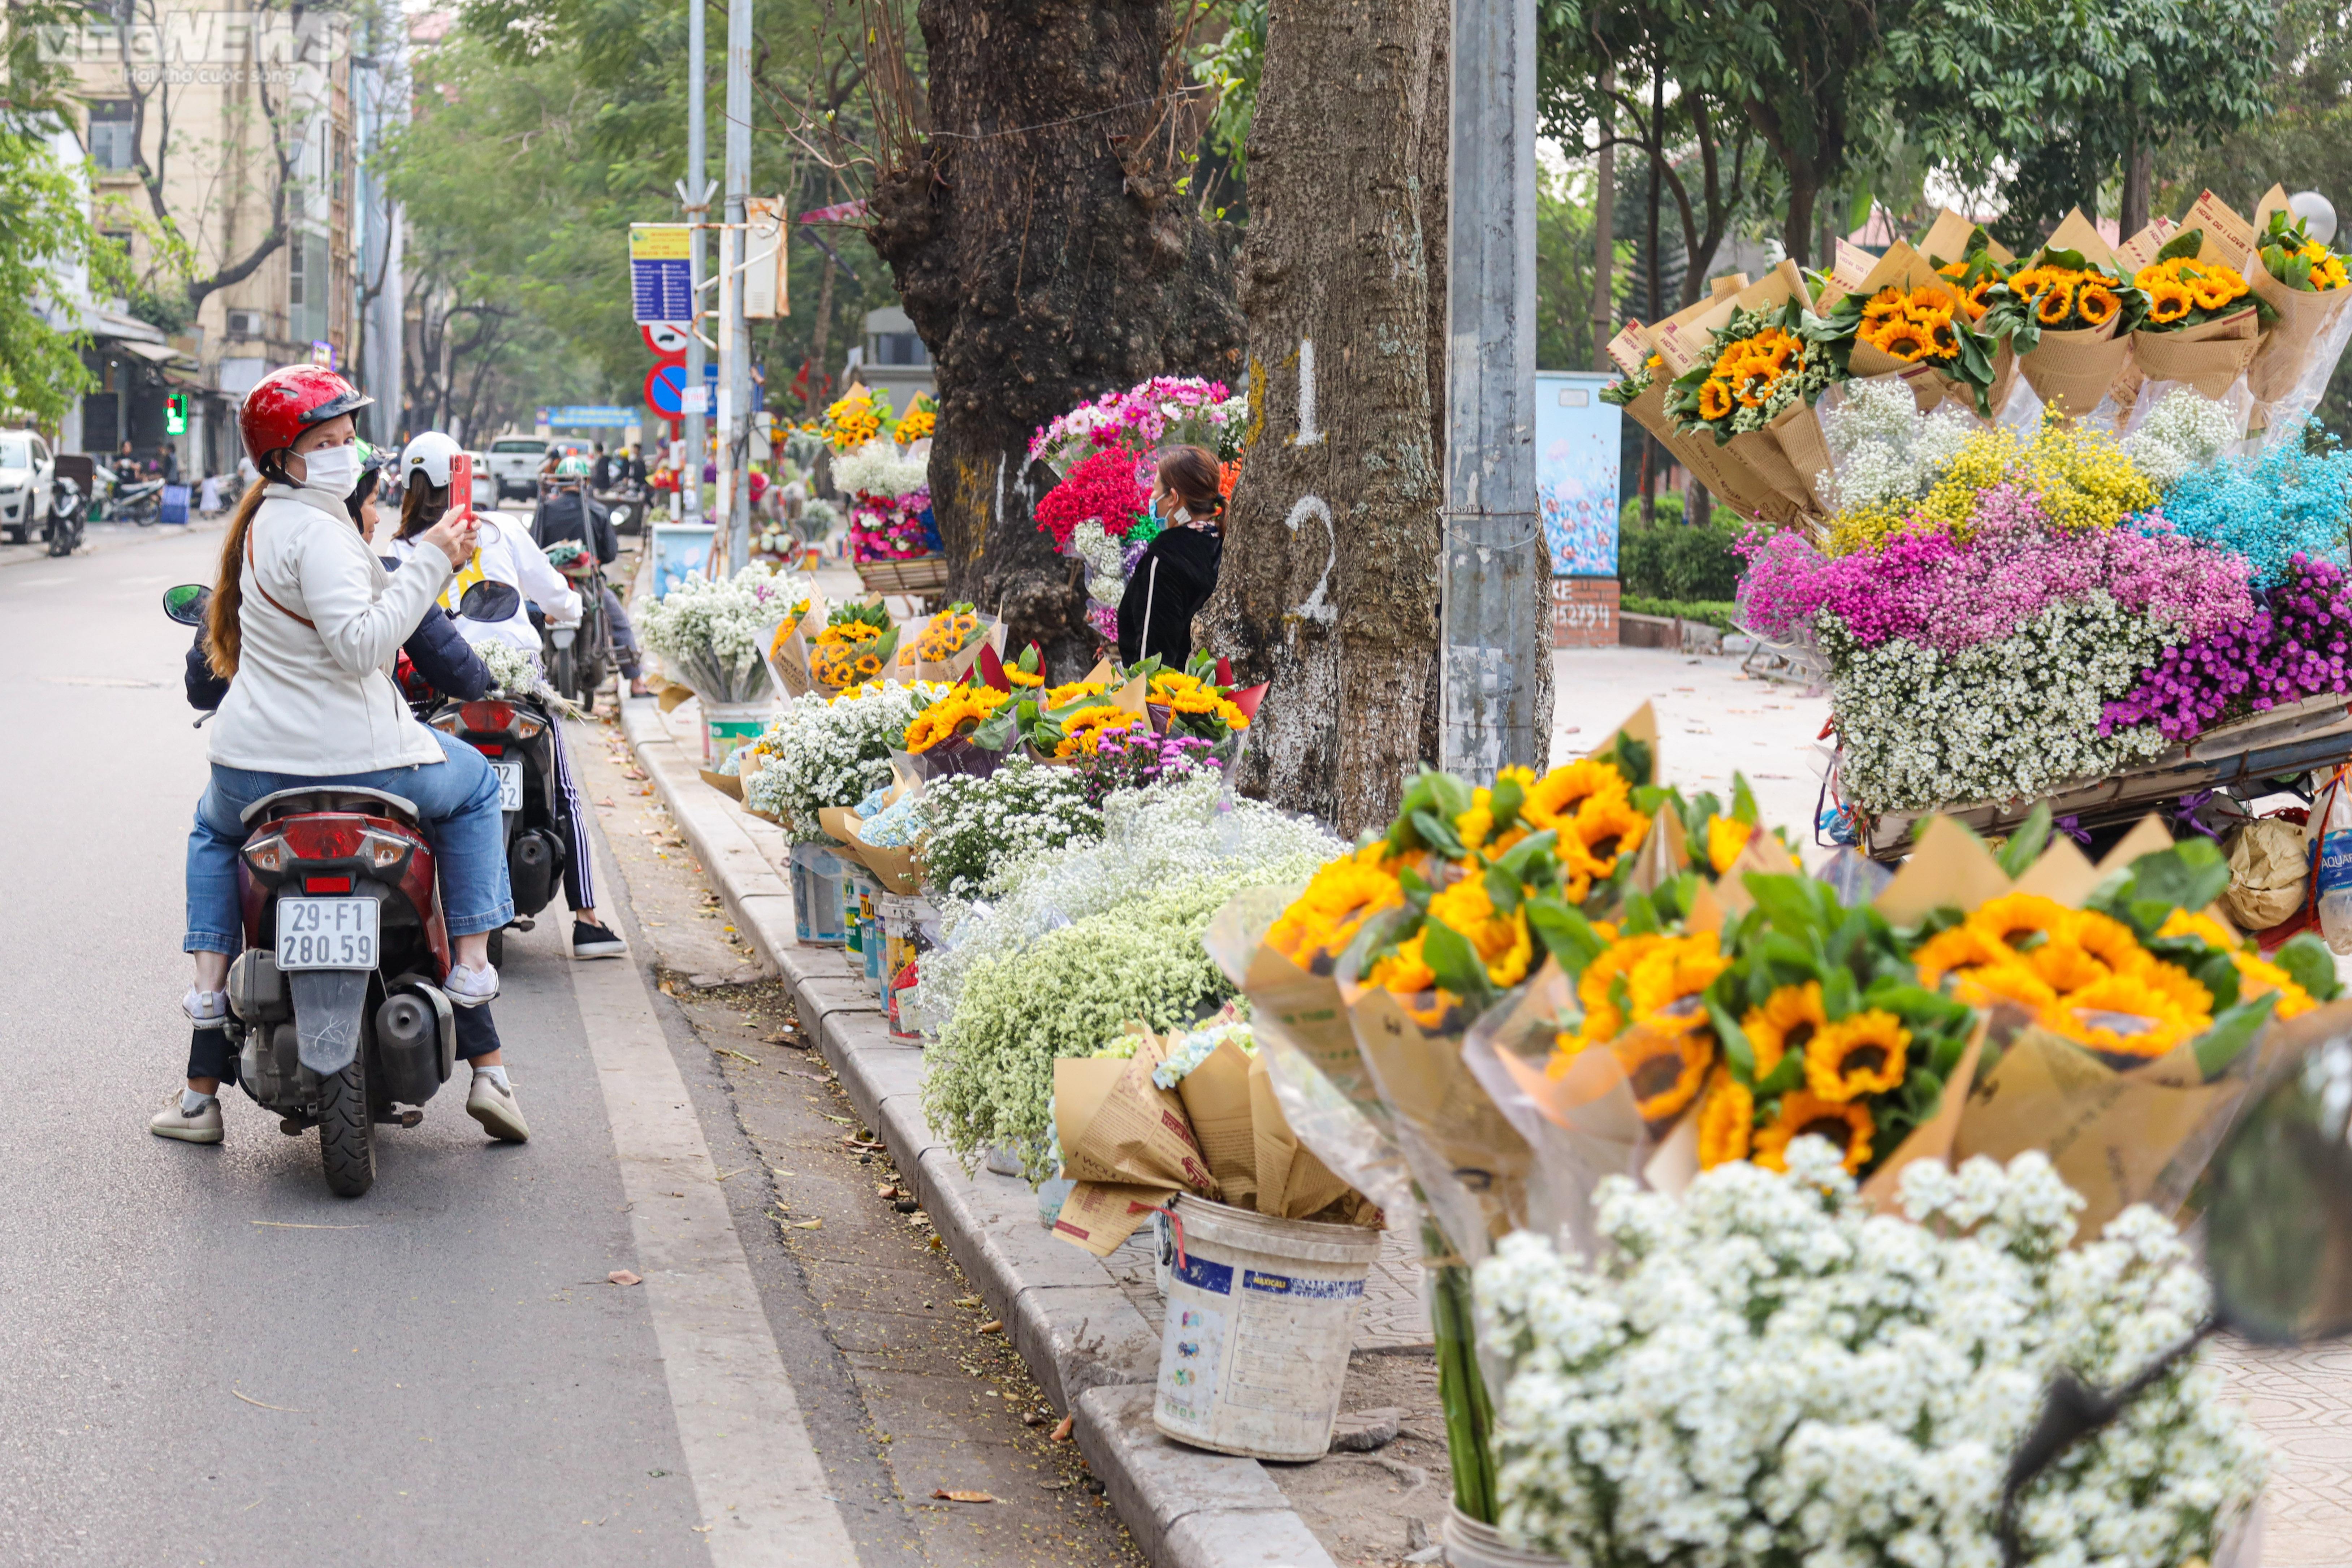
(63, 529)
(139, 501)
(336, 1005)
(578, 659)
(516, 736)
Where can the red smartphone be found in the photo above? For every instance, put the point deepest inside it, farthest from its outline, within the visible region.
(461, 485)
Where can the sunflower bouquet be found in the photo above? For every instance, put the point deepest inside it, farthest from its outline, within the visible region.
(955, 716)
(1910, 331)
(2068, 315)
(2307, 284)
(2204, 321)
(1193, 701)
(949, 642)
(853, 420)
(1061, 724)
(1753, 389)
(855, 649)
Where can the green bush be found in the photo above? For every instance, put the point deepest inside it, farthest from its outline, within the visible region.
(1717, 613)
(1669, 559)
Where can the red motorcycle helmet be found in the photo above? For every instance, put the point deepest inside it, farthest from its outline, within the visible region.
(284, 403)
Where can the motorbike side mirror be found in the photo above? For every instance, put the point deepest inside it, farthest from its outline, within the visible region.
(187, 604)
(621, 515)
(488, 601)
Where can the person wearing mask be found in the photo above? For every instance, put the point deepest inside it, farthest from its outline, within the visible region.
(303, 624)
(507, 554)
(1177, 570)
(567, 514)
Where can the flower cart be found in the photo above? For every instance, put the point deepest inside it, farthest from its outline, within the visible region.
(916, 576)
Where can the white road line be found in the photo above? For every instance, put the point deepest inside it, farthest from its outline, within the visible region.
(756, 1476)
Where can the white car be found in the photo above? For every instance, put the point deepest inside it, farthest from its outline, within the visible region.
(513, 466)
(26, 472)
(486, 485)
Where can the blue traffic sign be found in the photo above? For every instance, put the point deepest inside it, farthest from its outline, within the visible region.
(666, 389)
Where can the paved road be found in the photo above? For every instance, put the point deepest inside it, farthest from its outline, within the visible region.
(204, 1358)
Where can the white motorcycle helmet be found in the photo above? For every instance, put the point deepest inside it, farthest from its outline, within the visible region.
(428, 457)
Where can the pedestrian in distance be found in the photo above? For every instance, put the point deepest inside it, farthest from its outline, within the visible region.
(303, 623)
(1177, 570)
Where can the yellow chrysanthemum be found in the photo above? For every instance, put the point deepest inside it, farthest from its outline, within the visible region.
(1726, 1120)
(1725, 839)
(1849, 1126)
(1855, 1056)
(1501, 941)
(1787, 1022)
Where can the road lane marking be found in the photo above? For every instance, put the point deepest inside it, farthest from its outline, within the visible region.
(747, 1449)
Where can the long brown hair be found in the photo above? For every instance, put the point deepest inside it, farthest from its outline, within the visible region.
(416, 499)
(223, 639)
(1192, 476)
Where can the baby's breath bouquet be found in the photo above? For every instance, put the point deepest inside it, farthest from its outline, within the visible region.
(1764, 1371)
(823, 752)
(969, 825)
(713, 633)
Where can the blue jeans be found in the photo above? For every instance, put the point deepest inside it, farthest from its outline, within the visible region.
(458, 799)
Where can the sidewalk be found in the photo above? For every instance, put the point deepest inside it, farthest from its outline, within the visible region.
(1079, 1323)
(99, 537)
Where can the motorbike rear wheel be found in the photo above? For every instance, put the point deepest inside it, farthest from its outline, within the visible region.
(560, 667)
(347, 1130)
(61, 539)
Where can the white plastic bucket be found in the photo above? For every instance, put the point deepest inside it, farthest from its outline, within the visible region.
(910, 928)
(727, 725)
(816, 896)
(1470, 1544)
(1261, 1316)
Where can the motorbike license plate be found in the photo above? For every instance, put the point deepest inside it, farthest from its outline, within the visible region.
(509, 786)
(326, 933)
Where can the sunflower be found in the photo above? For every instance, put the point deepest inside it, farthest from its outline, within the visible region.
(1857, 1055)
(1335, 904)
(2055, 305)
(1975, 298)
(2170, 302)
(2017, 920)
(1714, 400)
(1667, 985)
(2126, 1018)
(1664, 1069)
(1071, 692)
(2109, 940)
(1953, 269)
(1849, 1126)
(1943, 338)
(2011, 982)
(1960, 950)
(1081, 729)
(1230, 712)
(1403, 973)
(1885, 305)
(1906, 341)
(1725, 839)
(868, 666)
(2175, 983)
(1019, 676)
(1501, 940)
(1726, 1120)
(2217, 288)
(1787, 1022)
(2203, 927)
(1601, 835)
(1603, 1022)
(2259, 977)
(2064, 967)
(2096, 303)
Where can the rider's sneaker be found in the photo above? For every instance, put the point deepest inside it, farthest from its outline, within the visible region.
(492, 1104)
(202, 1126)
(472, 987)
(590, 940)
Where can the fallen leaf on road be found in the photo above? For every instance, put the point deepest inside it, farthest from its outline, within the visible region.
(1062, 1428)
(810, 1225)
(962, 1496)
(993, 1326)
(967, 1300)
(723, 1051)
(622, 1277)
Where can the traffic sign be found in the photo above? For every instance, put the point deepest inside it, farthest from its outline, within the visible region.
(665, 340)
(661, 283)
(666, 390)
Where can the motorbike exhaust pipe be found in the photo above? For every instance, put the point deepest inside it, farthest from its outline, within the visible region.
(531, 871)
(405, 1024)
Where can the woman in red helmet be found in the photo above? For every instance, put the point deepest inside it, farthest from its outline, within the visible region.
(305, 622)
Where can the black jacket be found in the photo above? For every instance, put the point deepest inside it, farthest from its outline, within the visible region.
(1186, 562)
(567, 514)
(438, 650)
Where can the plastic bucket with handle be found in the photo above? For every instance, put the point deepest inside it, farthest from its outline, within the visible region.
(1261, 1317)
(727, 725)
(816, 896)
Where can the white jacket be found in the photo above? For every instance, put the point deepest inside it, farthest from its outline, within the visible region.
(316, 700)
(505, 552)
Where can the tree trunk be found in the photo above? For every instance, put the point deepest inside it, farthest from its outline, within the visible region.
(821, 345)
(2139, 177)
(1604, 215)
(1797, 237)
(1329, 586)
(1045, 258)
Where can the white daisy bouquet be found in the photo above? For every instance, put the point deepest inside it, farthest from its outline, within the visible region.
(820, 753)
(713, 632)
(1766, 1372)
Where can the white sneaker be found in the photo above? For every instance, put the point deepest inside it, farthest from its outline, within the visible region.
(204, 1127)
(493, 1105)
(472, 987)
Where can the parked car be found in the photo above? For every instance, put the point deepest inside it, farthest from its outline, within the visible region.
(28, 471)
(513, 466)
(486, 484)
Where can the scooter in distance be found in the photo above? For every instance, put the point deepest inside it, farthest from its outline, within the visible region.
(63, 529)
(336, 1003)
(516, 734)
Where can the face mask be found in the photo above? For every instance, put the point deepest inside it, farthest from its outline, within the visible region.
(335, 469)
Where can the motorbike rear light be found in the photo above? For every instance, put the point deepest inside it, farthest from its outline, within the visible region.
(487, 717)
(447, 720)
(526, 726)
(489, 750)
(324, 837)
(382, 848)
(266, 854)
(326, 884)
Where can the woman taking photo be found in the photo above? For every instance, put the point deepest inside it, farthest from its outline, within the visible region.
(304, 623)
(1178, 570)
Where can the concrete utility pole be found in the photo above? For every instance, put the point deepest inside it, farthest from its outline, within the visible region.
(735, 388)
(1493, 553)
(696, 192)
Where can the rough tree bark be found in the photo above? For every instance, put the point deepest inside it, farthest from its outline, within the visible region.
(1329, 587)
(1045, 258)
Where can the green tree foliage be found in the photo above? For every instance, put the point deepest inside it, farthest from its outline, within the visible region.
(1564, 252)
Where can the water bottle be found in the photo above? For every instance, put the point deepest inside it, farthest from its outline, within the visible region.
(2336, 867)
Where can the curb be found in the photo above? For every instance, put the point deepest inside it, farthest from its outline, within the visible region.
(1083, 1342)
(26, 554)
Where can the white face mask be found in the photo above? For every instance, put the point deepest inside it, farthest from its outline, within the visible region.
(335, 469)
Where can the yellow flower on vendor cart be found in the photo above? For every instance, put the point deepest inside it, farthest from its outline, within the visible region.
(1849, 1126)
(1858, 1056)
(2019, 921)
(1726, 1120)
(1787, 1023)
(1560, 793)
(1665, 1068)
(1960, 950)
(1080, 729)
(1603, 1019)
(1599, 835)
(1501, 941)
(2203, 927)
(2011, 982)
(2130, 1015)
(1667, 985)
(2259, 977)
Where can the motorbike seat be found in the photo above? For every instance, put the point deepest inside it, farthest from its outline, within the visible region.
(332, 797)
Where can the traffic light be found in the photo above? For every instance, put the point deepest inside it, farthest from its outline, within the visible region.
(175, 414)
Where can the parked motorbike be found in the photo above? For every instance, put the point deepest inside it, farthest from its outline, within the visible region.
(139, 501)
(516, 736)
(64, 528)
(336, 1003)
(578, 659)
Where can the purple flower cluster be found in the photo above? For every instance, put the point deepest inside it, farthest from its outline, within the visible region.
(1943, 592)
(1130, 759)
(2295, 647)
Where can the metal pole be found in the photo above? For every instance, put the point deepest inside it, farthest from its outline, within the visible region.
(735, 394)
(1492, 553)
(698, 209)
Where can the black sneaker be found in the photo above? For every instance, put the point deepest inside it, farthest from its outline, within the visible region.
(590, 940)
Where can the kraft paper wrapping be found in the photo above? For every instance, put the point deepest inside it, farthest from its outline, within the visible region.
(2270, 873)
(2213, 355)
(1292, 1183)
(728, 784)
(1762, 451)
(1118, 1129)
(1797, 430)
(789, 646)
(1946, 239)
(1906, 268)
(2072, 370)
(1218, 1101)
(1720, 470)
(896, 869)
(953, 669)
(2304, 321)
